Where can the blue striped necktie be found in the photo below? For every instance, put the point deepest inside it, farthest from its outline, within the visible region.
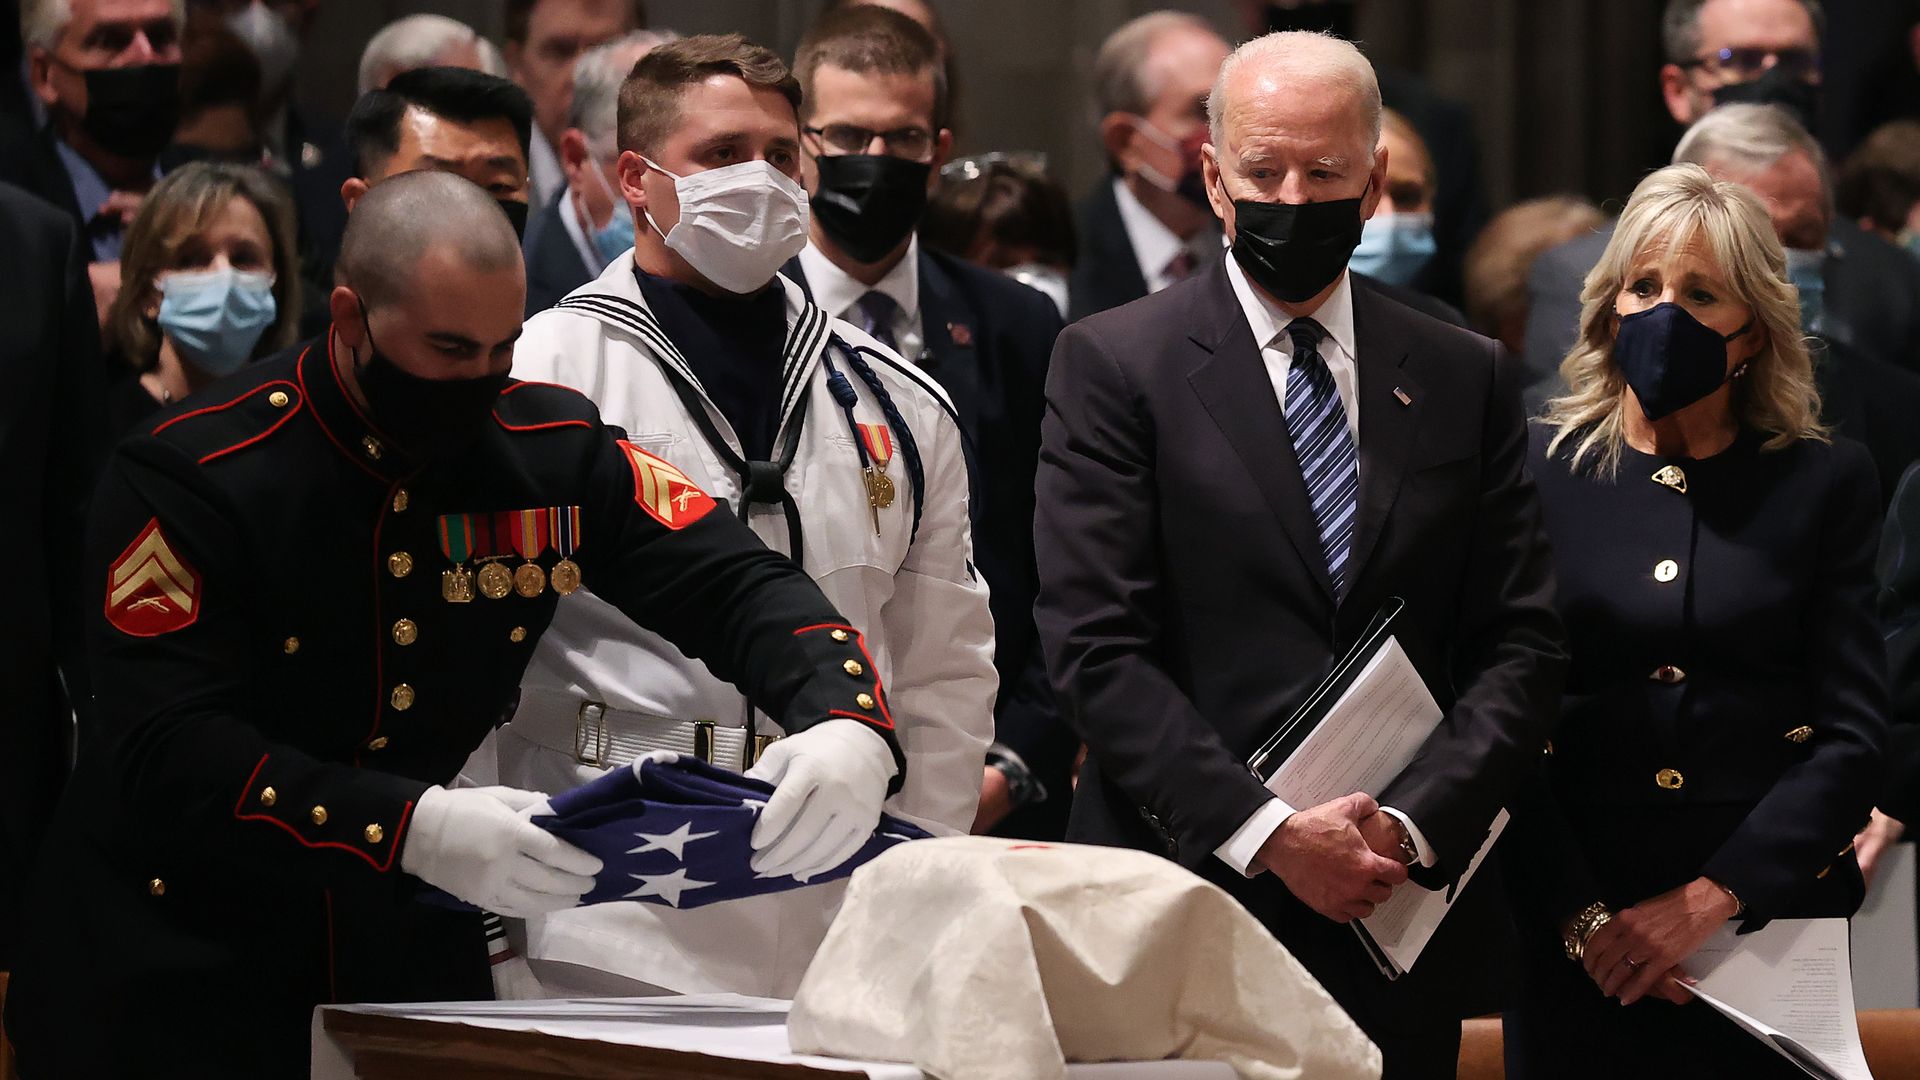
(1324, 447)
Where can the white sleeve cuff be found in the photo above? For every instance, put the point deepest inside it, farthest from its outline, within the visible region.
(1244, 845)
(1420, 847)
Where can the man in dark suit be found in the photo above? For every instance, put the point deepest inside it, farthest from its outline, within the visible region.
(1146, 225)
(1235, 475)
(873, 134)
(50, 431)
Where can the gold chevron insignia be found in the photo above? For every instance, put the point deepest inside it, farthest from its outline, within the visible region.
(152, 562)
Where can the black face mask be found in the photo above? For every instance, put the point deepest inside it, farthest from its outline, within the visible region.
(516, 214)
(1670, 358)
(1335, 17)
(132, 111)
(431, 419)
(1775, 87)
(868, 203)
(1294, 250)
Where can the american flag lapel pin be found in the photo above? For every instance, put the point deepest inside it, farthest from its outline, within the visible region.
(1402, 395)
(960, 333)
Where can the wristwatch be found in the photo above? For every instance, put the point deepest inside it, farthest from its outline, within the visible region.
(1591, 918)
(1409, 851)
(1023, 788)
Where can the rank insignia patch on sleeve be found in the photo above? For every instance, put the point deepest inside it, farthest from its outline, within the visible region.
(664, 491)
(150, 589)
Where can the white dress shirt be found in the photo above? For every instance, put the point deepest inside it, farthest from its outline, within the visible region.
(838, 294)
(1269, 325)
(1155, 246)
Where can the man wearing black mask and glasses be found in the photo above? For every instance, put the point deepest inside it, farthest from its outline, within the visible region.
(1239, 472)
(873, 134)
(108, 74)
(314, 588)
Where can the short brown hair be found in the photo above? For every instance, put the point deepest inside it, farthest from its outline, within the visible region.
(177, 206)
(867, 40)
(650, 98)
(520, 17)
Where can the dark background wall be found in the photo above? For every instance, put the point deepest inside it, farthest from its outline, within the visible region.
(1563, 91)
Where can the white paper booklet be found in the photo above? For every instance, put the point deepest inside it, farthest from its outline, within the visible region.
(1369, 735)
(1790, 985)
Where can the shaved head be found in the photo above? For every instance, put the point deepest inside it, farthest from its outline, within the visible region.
(398, 223)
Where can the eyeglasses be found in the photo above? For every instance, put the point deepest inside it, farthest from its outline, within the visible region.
(1030, 163)
(1749, 63)
(911, 143)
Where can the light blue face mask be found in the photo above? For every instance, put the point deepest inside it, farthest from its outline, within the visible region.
(1394, 247)
(1911, 241)
(613, 239)
(1804, 270)
(215, 317)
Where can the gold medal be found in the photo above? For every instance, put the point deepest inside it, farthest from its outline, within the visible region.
(496, 581)
(456, 585)
(565, 577)
(529, 580)
(879, 489)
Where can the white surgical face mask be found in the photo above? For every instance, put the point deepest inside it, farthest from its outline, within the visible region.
(738, 224)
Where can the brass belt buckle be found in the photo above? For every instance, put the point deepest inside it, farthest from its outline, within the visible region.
(595, 713)
(703, 740)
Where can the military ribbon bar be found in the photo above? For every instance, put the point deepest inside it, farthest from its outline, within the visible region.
(879, 443)
(529, 533)
(563, 523)
(456, 537)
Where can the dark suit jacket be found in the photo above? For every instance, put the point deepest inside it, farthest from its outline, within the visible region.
(1874, 402)
(1899, 573)
(554, 265)
(50, 434)
(988, 339)
(1184, 603)
(29, 161)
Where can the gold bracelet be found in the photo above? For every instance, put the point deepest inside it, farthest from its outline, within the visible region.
(1591, 918)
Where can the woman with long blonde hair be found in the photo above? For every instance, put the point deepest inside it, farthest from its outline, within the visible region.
(1719, 742)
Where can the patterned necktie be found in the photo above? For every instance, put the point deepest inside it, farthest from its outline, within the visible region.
(1328, 462)
(877, 311)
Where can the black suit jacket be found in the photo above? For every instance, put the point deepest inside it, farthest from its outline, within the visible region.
(51, 419)
(554, 265)
(29, 161)
(1184, 602)
(988, 340)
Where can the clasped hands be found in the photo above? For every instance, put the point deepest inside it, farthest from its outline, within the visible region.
(1341, 858)
(1638, 952)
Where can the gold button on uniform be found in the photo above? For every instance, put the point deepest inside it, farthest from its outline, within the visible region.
(290, 646)
(378, 742)
(865, 701)
(1666, 570)
(375, 834)
(278, 399)
(1800, 734)
(1667, 673)
(838, 635)
(319, 815)
(268, 796)
(402, 697)
(853, 668)
(1670, 779)
(371, 445)
(400, 501)
(399, 564)
(405, 632)
(517, 635)
(156, 887)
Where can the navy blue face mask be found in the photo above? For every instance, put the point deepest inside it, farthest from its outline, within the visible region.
(1671, 359)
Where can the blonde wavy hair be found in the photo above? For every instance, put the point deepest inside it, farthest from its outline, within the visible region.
(1674, 206)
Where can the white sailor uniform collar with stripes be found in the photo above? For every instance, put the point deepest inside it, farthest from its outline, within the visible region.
(614, 298)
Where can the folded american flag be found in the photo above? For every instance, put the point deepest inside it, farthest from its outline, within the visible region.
(675, 830)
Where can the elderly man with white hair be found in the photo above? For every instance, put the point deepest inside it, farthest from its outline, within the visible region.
(587, 224)
(1237, 474)
(419, 41)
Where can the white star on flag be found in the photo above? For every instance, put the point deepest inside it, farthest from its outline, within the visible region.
(666, 886)
(674, 842)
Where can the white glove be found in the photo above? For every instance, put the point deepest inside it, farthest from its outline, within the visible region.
(829, 783)
(476, 844)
